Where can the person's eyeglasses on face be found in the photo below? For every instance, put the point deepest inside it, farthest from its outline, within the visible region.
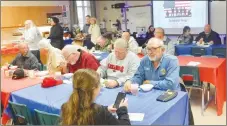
(152, 49)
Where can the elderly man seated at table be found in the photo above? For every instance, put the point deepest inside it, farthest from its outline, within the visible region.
(25, 59)
(119, 65)
(78, 59)
(103, 44)
(208, 36)
(168, 43)
(56, 61)
(159, 69)
(132, 44)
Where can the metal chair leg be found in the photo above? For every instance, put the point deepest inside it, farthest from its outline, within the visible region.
(215, 95)
(189, 92)
(208, 91)
(202, 107)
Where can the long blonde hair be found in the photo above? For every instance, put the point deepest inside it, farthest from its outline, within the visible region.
(79, 109)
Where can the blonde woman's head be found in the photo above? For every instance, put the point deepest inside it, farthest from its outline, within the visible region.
(92, 20)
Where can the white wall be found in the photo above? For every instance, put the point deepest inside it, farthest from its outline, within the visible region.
(34, 3)
(218, 16)
(217, 13)
(112, 14)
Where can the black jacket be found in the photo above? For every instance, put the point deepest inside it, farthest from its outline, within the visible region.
(104, 117)
(56, 36)
(149, 35)
(213, 36)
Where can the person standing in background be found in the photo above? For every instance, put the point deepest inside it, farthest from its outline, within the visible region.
(94, 30)
(32, 37)
(87, 25)
(85, 31)
(56, 34)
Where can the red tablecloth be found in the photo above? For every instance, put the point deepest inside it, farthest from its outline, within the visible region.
(8, 85)
(212, 70)
(10, 48)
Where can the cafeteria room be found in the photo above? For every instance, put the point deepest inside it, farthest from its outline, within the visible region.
(113, 62)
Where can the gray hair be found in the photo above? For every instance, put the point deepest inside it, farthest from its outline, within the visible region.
(156, 41)
(30, 23)
(121, 43)
(45, 43)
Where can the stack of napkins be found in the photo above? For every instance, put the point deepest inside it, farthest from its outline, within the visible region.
(136, 116)
(192, 63)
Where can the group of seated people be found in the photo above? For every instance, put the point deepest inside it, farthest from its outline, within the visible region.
(122, 67)
(207, 36)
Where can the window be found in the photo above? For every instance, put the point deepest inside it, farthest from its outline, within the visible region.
(83, 9)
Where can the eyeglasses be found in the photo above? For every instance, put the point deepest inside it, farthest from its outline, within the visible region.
(152, 49)
(68, 56)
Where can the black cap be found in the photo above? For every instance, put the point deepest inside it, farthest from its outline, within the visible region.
(18, 74)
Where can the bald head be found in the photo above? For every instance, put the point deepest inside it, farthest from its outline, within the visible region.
(126, 36)
(23, 48)
(207, 29)
(23, 45)
(159, 33)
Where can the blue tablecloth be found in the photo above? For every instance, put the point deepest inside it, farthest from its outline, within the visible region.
(101, 55)
(174, 112)
(185, 49)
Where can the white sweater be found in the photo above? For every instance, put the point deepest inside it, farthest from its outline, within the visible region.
(133, 45)
(94, 30)
(119, 70)
(32, 36)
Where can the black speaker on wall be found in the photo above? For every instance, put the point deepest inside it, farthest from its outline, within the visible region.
(118, 5)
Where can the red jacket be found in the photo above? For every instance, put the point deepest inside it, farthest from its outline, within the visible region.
(85, 61)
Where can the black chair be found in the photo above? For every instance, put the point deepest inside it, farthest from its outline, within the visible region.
(220, 52)
(198, 51)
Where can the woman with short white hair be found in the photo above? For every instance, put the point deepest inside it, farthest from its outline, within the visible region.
(56, 61)
(32, 36)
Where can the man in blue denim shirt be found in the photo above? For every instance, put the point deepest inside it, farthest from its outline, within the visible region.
(157, 68)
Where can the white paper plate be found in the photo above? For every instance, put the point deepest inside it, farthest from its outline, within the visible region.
(68, 75)
(146, 87)
(42, 73)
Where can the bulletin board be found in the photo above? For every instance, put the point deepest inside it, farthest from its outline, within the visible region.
(138, 17)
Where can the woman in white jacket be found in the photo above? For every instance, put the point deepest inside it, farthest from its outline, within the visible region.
(55, 60)
(94, 30)
(32, 36)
